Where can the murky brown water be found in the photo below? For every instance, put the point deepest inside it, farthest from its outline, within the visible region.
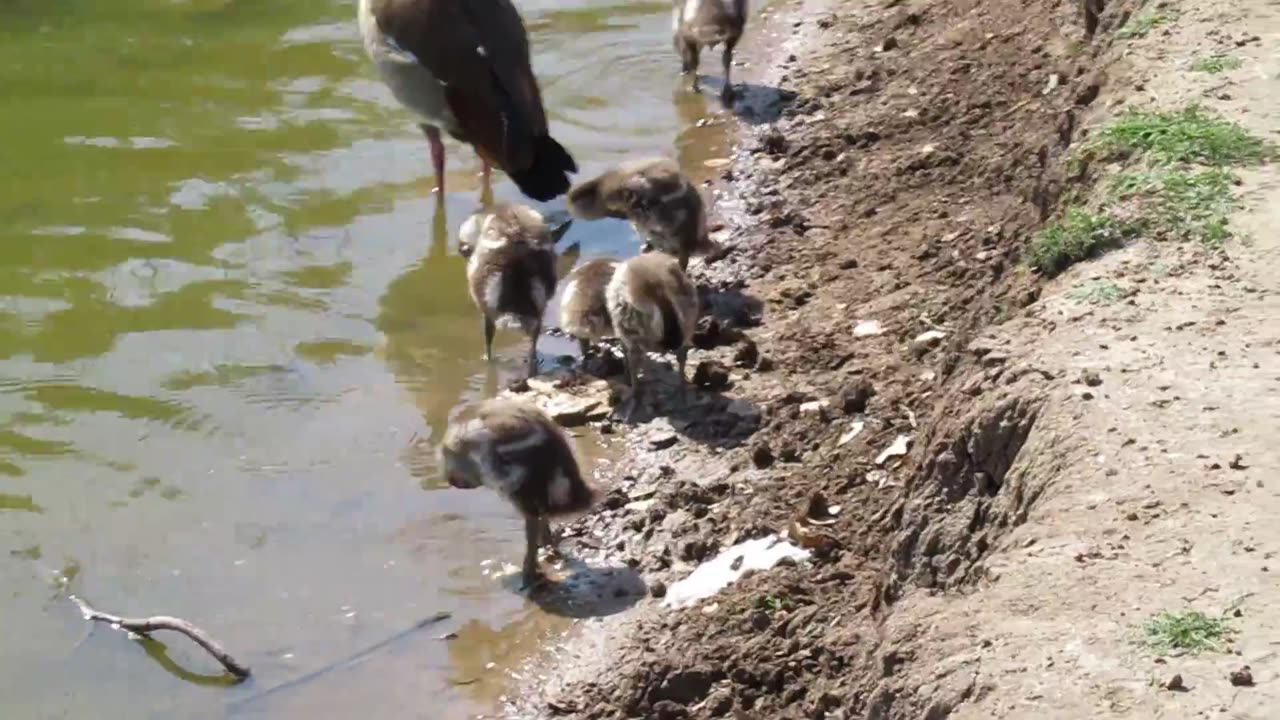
(231, 327)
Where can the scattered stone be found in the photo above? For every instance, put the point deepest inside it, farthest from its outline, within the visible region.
(573, 411)
(711, 375)
(926, 341)
(888, 44)
(1091, 378)
(1237, 463)
(764, 364)
(761, 455)
(760, 620)
(519, 385)
(663, 440)
(814, 407)
(1174, 683)
(747, 355)
(899, 447)
(1242, 677)
(848, 436)
(853, 398)
(868, 328)
(658, 589)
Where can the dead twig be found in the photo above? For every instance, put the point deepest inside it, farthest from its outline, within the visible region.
(146, 626)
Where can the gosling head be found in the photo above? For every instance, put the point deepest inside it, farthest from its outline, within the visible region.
(457, 459)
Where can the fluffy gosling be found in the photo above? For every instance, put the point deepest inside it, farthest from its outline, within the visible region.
(584, 313)
(663, 205)
(696, 24)
(654, 308)
(511, 270)
(516, 450)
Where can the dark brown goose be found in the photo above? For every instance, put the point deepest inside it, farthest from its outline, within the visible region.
(515, 449)
(463, 66)
(663, 205)
(511, 270)
(584, 313)
(696, 24)
(654, 308)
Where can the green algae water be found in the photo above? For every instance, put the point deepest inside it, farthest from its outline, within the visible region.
(233, 322)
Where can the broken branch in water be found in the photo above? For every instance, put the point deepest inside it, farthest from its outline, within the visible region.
(146, 626)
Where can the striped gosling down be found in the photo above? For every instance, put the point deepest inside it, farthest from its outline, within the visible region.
(511, 270)
(584, 313)
(654, 308)
(664, 206)
(515, 449)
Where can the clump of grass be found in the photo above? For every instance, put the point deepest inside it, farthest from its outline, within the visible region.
(1181, 204)
(1191, 631)
(1098, 292)
(1214, 64)
(1142, 24)
(774, 603)
(1190, 135)
(1079, 235)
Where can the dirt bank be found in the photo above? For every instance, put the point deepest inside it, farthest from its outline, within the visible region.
(1070, 465)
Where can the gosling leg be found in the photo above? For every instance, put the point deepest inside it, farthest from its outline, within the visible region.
(533, 348)
(726, 93)
(531, 574)
(489, 329)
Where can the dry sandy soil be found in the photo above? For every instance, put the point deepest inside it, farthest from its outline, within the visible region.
(1075, 466)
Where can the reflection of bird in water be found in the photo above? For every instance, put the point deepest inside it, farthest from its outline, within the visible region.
(463, 66)
(428, 324)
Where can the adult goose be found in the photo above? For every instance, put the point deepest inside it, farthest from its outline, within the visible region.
(462, 66)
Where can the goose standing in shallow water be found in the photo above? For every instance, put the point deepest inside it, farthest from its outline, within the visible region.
(584, 312)
(654, 308)
(463, 66)
(515, 449)
(511, 271)
(663, 205)
(696, 24)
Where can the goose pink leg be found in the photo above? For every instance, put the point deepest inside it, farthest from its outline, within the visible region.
(437, 155)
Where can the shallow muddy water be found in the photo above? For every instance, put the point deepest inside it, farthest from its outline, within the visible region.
(232, 325)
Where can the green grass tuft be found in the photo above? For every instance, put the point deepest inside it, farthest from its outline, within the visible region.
(1079, 235)
(1181, 204)
(1191, 631)
(1143, 24)
(1190, 135)
(1214, 64)
(1098, 292)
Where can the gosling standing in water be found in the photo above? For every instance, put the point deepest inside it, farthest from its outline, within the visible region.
(515, 449)
(654, 308)
(696, 24)
(511, 270)
(584, 312)
(663, 205)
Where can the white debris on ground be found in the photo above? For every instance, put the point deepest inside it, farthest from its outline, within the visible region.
(721, 571)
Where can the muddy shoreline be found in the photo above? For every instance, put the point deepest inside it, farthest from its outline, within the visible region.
(876, 230)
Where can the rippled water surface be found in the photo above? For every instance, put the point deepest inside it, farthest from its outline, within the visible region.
(232, 326)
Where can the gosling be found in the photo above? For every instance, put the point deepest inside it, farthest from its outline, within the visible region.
(516, 450)
(654, 308)
(511, 272)
(696, 24)
(663, 205)
(584, 313)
